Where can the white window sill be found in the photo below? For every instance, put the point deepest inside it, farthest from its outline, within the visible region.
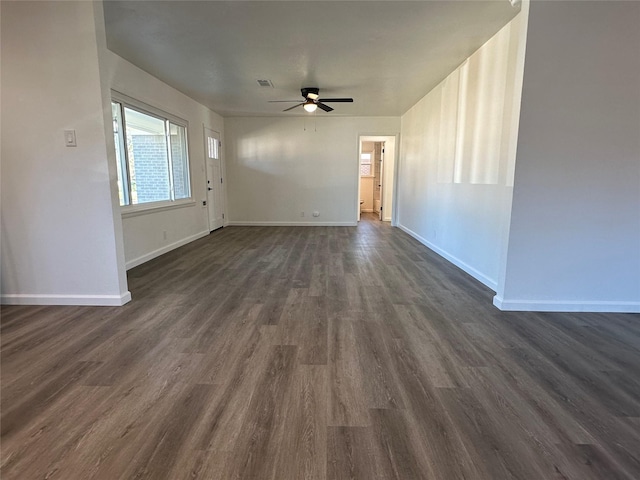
(146, 208)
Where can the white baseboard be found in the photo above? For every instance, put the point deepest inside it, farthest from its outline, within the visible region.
(367, 210)
(167, 248)
(292, 224)
(92, 300)
(489, 282)
(565, 306)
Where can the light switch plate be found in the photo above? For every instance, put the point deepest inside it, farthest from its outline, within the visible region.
(70, 138)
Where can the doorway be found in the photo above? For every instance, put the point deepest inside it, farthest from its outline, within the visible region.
(215, 194)
(376, 156)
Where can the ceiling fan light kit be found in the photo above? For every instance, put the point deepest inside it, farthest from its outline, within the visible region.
(309, 106)
(312, 101)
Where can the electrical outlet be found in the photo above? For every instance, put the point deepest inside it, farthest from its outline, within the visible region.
(316, 213)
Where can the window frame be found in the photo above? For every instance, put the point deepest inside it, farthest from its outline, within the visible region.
(130, 210)
(370, 163)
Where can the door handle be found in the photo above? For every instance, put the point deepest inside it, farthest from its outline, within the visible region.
(209, 188)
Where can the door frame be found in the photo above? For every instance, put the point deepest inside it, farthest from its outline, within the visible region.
(390, 167)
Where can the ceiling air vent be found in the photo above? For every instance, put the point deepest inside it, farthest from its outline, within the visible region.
(265, 83)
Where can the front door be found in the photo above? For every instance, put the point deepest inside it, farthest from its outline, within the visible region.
(215, 196)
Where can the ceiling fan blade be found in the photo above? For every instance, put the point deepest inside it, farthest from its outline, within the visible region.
(291, 108)
(324, 107)
(336, 100)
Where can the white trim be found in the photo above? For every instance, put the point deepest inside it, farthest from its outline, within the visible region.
(565, 306)
(489, 282)
(367, 210)
(153, 207)
(167, 248)
(291, 224)
(91, 300)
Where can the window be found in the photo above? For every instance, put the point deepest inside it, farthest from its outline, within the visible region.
(365, 165)
(151, 153)
(212, 148)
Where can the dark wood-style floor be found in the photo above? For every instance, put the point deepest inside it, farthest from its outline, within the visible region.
(316, 353)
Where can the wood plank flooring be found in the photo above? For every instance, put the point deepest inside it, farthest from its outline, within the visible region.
(316, 353)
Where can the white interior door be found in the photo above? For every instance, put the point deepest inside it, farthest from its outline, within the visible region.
(215, 196)
(382, 186)
(378, 154)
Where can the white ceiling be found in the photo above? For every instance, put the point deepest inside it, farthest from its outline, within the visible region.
(385, 54)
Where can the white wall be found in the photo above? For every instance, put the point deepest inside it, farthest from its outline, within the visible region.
(575, 227)
(153, 233)
(276, 169)
(59, 233)
(456, 158)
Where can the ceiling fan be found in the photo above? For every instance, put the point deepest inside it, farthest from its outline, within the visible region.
(312, 100)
